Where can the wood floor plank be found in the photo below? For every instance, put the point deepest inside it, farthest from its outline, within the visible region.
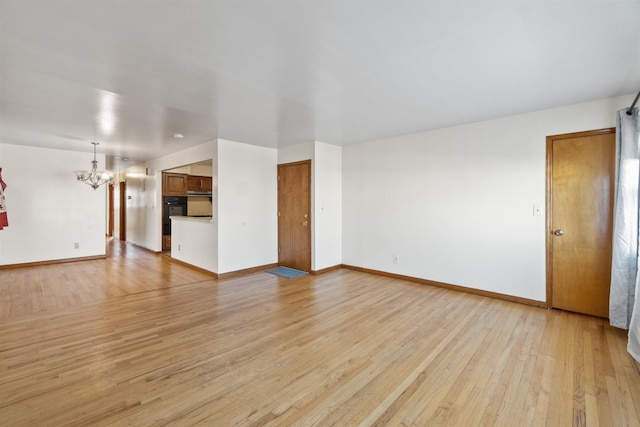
(136, 339)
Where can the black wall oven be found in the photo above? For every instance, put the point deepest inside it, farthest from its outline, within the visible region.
(172, 206)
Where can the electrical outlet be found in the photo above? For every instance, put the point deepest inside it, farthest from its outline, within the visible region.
(396, 259)
(76, 245)
(178, 247)
(538, 210)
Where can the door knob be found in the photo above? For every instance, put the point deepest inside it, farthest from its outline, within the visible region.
(558, 232)
(305, 223)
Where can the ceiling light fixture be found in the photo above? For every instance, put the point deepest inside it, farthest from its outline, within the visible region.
(94, 178)
(178, 135)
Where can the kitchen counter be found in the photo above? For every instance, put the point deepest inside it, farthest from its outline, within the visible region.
(193, 241)
(192, 218)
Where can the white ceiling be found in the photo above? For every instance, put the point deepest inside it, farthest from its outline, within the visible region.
(130, 74)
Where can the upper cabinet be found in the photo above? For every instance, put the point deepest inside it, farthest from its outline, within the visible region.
(199, 183)
(206, 183)
(174, 184)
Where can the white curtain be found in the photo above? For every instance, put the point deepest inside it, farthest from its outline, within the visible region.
(625, 280)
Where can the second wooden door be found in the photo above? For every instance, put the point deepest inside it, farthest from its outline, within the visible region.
(294, 215)
(581, 169)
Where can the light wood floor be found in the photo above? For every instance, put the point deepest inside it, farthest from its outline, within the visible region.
(138, 340)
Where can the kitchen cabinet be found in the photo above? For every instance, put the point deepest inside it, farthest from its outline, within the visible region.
(166, 242)
(174, 184)
(199, 183)
(207, 184)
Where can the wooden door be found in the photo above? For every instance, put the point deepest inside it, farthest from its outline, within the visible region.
(580, 173)
(294, 215)
(123, 211)
(111, 211)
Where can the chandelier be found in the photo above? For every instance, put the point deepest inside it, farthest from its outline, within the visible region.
(94, 178)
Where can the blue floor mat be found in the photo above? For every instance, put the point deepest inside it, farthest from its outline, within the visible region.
(289, 273)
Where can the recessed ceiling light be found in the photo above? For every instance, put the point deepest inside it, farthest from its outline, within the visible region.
(178, 135)
(125, 159)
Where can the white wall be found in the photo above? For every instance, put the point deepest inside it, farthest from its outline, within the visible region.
(296, 153)
(201, 170)
(327, 206)
(48, 209)
(197, 169)
(456, 204)
(247, 206)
